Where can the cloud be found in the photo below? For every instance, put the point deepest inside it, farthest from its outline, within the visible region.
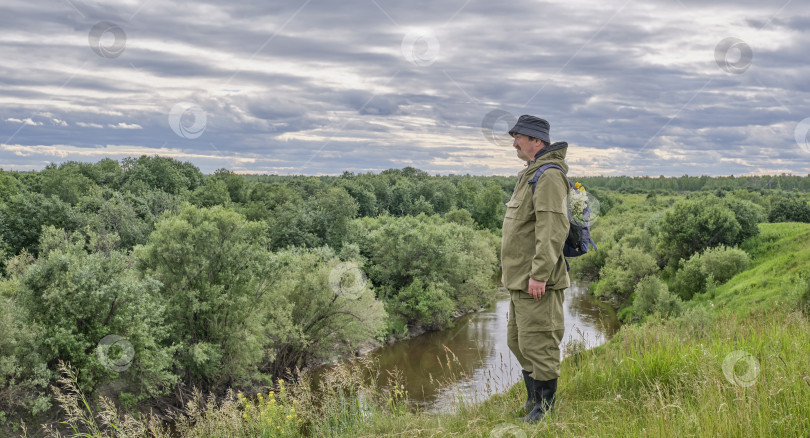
(27, 121)
(122, 125)
(316, 87)
(89, 125)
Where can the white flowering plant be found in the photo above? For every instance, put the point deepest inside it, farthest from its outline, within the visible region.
(577, 203)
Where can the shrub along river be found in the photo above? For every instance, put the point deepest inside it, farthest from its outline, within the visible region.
(474, 346)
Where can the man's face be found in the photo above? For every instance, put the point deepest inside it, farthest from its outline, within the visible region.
(526, 148)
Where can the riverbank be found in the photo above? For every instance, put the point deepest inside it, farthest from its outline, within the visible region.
(734, 364)
(477, 344)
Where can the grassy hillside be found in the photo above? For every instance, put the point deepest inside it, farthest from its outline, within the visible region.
(778, 276)
(735, 363)
(666, 378)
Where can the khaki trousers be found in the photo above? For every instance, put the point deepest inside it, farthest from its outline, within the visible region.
(535, 330)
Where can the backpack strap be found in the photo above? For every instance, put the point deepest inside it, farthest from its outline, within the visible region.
(542, 169)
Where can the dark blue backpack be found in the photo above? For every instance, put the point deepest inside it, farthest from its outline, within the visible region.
(579, 235)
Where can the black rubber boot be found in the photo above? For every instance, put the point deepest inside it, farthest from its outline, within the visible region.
(530, 396)
(545, 395)
(550, 394)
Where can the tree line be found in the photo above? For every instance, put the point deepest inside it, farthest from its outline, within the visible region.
(228, 280)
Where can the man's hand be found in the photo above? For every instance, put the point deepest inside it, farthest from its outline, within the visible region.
(536, 288)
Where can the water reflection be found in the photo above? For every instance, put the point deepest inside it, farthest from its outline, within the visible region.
(471, 357)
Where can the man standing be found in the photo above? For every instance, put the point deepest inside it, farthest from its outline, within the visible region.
(534, 269)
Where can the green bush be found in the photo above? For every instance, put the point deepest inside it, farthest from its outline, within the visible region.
(425, 304)
(625, 267)
(722, 263)
(789, 210)
(690, 278)
(606, 199)
(653, 296)
(702, 272)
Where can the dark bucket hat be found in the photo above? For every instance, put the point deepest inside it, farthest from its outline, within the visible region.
(531, 126)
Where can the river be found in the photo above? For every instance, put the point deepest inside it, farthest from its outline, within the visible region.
(481, 363)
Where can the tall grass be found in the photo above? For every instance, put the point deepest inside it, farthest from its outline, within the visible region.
(664, 378)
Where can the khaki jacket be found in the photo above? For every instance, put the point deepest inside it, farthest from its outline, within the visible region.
(536, 225)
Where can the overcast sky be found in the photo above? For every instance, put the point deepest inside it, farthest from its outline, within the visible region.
(653, 87)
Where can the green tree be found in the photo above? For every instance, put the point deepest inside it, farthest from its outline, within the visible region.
(65, 182)
(490, 206)
(119, 216)
(9, 186)
(363, 194)
(79, 297)
(213, 192)
(461, 217)
(747, 214)
(214, 271)
(264, 198)
(23, 216)
(446, 257)
(106, 172)
(789, 210)
(323, 219)
(162, 173)
(236, 184)
(440, 193)
(24, 373)
(332, 308)
(693, 225)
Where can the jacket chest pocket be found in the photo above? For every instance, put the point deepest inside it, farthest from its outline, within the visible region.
(513, 208)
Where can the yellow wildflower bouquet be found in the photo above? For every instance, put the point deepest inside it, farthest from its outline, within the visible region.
(577, 203)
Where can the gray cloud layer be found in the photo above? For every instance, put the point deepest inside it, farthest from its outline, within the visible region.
(364, 85)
